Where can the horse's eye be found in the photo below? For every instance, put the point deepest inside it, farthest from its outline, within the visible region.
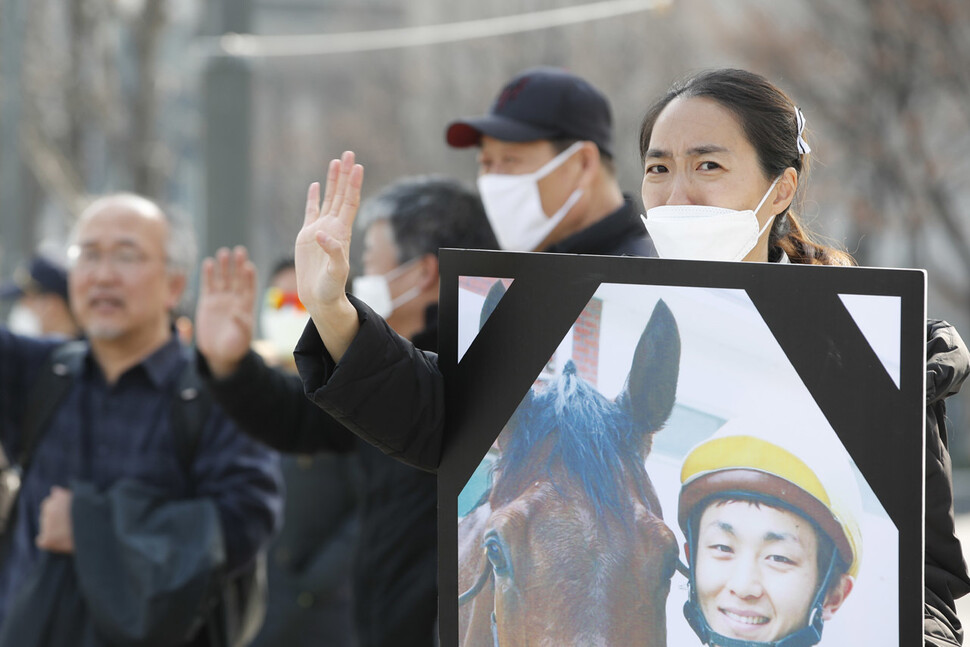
(497, 555)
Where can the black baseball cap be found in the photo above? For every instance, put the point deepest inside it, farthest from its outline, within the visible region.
(41, 276)
(541, 103)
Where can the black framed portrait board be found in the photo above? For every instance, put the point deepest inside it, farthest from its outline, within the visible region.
(648, 452)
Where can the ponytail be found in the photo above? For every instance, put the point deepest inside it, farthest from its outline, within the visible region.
(788, 236)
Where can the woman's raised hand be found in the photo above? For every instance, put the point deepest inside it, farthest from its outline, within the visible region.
(322, 254)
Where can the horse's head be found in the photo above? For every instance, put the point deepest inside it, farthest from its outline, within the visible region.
(570, 546)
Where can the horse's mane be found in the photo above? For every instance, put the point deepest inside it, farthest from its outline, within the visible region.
(593, 439)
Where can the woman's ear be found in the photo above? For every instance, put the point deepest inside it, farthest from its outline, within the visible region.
(836, 596)
(785, 190)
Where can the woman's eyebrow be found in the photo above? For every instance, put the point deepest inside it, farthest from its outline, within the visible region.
(704, 149)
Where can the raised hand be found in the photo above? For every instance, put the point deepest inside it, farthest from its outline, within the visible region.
(224, 317)
(322, 254)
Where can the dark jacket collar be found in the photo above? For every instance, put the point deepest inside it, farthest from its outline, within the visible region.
(619, 234)
(160, 366)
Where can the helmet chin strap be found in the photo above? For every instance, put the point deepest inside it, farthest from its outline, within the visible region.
(807, 636)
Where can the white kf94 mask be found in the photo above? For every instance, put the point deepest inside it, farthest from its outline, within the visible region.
(514, 207)
(702, 233)
(375, 289)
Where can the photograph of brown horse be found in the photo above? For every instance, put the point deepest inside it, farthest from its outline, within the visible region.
(568, 545)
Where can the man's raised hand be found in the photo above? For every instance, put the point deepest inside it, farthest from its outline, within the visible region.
(224, 316)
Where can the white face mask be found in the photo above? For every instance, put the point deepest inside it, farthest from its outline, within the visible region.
(514, 207)
(24, 321)
(283, 326)
(375, 290)
(702, 233)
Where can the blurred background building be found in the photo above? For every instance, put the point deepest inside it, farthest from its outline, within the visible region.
(228, 109)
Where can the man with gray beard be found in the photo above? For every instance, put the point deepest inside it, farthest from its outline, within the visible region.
(118, 534)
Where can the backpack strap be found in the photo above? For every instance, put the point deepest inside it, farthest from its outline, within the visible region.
(191, 406)
(54, 380)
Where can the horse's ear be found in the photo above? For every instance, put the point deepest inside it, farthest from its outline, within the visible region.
(651, 387)
(495, 294)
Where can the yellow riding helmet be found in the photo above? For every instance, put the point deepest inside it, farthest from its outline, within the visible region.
(802, 468)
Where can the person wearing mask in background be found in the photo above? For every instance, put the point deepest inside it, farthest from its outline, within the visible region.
(40, 301)
(122, 471)
(282, 317)
(309, 596)
(545, 168)
(724, 153)
(404, 225)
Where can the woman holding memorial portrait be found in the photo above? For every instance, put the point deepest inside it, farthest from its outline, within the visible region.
(713, 147)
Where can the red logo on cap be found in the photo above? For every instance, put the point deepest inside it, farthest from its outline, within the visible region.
(510, 92)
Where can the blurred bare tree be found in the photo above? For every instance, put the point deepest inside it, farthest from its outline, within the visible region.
(90, 98)
(888, 81)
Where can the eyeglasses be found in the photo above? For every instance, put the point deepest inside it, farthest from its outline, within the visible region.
(122, 259)
(277, 298)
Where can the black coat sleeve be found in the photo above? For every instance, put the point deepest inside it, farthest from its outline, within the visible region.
(947, 361)
(384, 389)
(945, 573)
(269, 405)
